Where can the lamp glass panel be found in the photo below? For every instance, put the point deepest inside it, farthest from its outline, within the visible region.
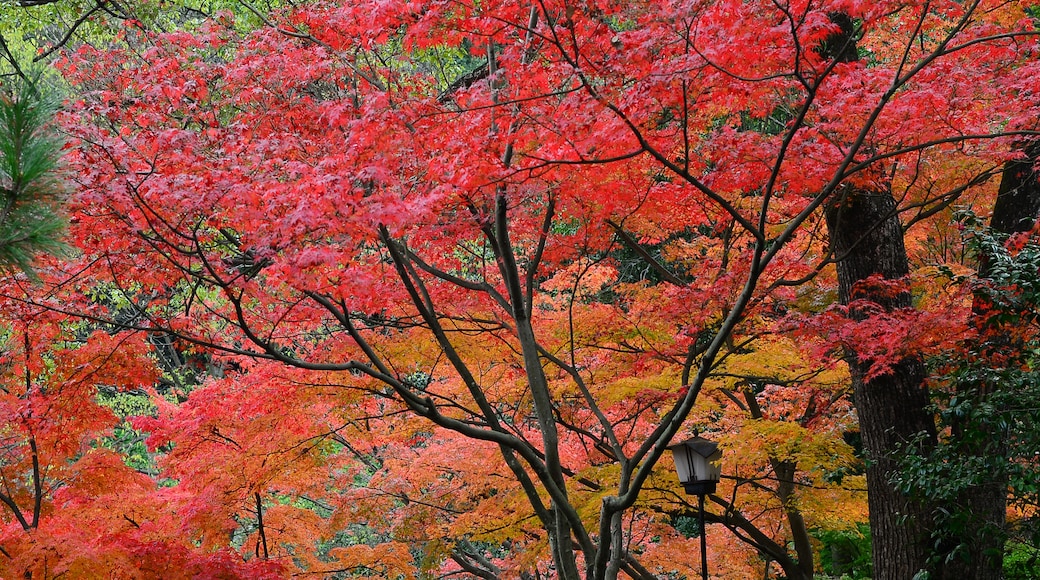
(683, 457)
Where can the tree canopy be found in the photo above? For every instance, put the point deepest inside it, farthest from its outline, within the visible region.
(426, 289)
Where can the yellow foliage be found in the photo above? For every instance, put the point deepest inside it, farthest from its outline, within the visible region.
(763, 439)
(630, 387)
(779, 360)
(836, 507)
(388, 559)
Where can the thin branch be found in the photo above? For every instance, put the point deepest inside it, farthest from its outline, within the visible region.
(536, 260)
(10, 57)
(636, 247)
(310, 38)
(72, 30)
(262, 541)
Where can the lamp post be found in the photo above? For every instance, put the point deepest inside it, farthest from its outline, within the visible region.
(696, 461)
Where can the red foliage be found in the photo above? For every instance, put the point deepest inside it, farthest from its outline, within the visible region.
(394, 268)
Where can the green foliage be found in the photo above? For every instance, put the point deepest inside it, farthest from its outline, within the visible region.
(125, 405)
(986, 401)
(770, 124)
(1021, 561)
(30, 151)
(688, 526)
(39, 32)
(846, 553)
(127, 441)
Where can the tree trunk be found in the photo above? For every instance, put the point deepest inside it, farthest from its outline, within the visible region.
(785, 475)
(867, 237)
(1018, 199)
(785, 471)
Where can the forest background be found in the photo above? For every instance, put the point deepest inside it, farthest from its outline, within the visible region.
(426, 289)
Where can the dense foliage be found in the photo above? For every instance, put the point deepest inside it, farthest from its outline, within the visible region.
(992, 385)
(426, 289)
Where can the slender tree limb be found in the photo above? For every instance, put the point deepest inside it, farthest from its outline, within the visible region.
(11, 58)
(262, 541)
(72, 30)
(636, 247)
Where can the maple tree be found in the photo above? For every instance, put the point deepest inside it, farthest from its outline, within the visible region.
(62, 476)
(449, 279)
(60, 468)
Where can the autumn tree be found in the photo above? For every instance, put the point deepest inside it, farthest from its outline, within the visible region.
(407, 227)
(71, 503)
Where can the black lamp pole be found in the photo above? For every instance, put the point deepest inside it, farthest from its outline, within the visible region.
(701, 489)
(704, 539)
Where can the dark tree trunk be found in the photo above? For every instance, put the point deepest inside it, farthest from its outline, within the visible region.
(867, 237)
(982, 542)
(1018, 199)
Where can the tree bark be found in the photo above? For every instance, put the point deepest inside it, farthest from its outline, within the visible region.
(1018, 199)
(866, 235)
(785, 475)
(785, 471)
